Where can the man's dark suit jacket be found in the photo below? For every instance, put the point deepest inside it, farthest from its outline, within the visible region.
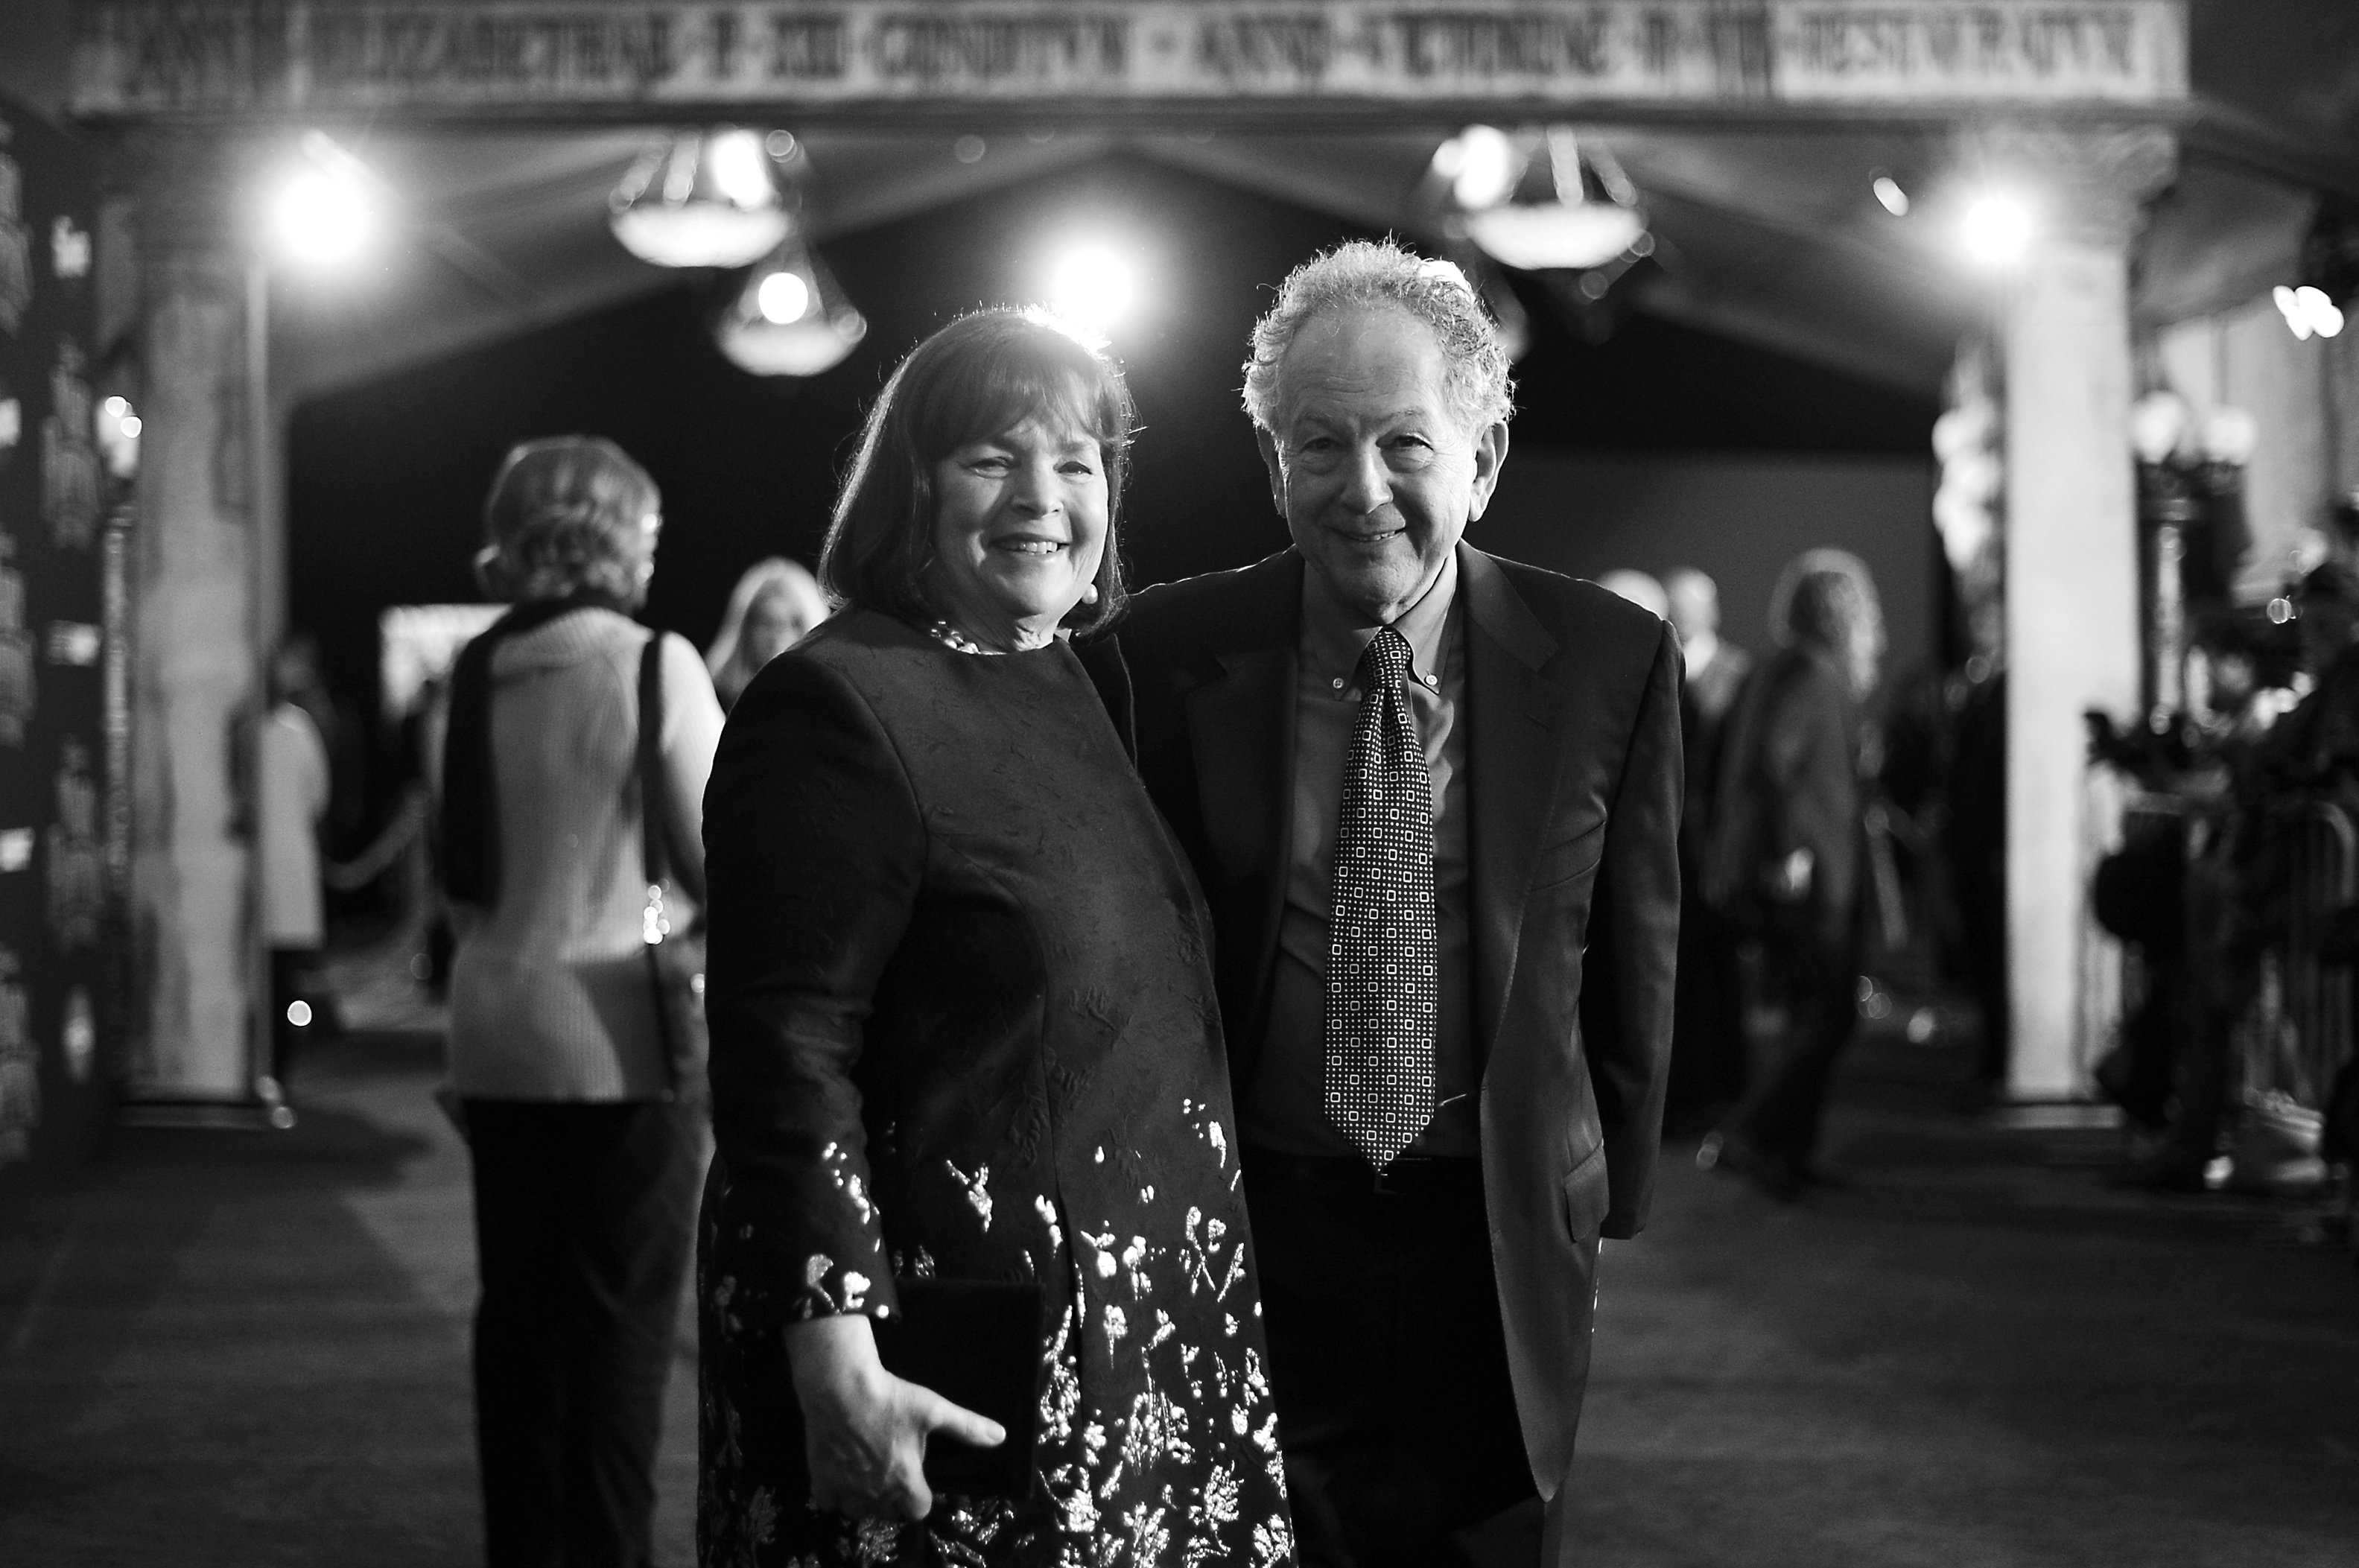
(1572, 708)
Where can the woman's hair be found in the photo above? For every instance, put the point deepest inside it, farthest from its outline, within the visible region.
(568, 514)
(775, 575)
(979, 377)
(1827, 598)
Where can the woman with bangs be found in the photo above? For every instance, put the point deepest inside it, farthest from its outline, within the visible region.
(964, 1036)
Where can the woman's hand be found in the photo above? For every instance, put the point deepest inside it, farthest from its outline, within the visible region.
(865, 1430)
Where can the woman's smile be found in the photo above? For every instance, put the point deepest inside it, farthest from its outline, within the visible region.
(1020, 531)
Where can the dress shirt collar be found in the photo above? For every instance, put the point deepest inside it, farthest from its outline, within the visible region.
(1334, 635)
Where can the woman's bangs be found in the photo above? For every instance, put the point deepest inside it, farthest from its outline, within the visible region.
(1027, 381)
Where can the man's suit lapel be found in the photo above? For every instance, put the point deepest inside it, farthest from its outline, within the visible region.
(1515, 718)
(1241, 731)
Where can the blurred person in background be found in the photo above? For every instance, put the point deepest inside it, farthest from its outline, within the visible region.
(769, 610)
(293, 759)
(2265, 757)
(1973, 846)
(585, 1158)
(1640, 588)
(1789, 853)
(302, 680)
(1708, 1065)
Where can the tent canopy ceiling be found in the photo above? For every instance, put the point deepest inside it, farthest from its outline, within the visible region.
(1772, 237)
(1767, 233)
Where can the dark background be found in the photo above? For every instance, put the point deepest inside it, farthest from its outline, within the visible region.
(1658, 446)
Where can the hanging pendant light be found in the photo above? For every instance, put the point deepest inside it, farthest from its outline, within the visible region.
(791, 319)
(1539, 201)
(707, 197)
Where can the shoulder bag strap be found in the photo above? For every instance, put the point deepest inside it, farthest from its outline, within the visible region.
(655, 798)
(655, 921)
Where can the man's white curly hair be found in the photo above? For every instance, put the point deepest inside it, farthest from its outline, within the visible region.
(1365, 274)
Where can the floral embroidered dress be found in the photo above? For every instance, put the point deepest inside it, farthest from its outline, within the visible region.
(963, 1027)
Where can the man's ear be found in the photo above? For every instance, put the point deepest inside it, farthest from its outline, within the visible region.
(1269, 444)
(1490, 456)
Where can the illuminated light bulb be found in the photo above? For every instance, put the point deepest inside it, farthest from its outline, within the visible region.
(1889, 196)
(298, 1013)
(1996, 230)
(1545, 201)
(1969, 425)
(783, 298)
(704, 199)
(1480, 162)
(2290, 306)
(738, 169)
(319, 219)
(1975, 473)
(2159, 422)
(791, 319)
(2228, 435)
(1966, 529)
(1092, 289)
(2309, 313)
(117, 430)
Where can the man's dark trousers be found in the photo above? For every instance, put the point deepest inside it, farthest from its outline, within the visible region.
(1394, 1408)
(584, 1219)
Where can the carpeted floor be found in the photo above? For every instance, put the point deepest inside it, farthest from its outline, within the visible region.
(249, 1348)
(1978, 1354)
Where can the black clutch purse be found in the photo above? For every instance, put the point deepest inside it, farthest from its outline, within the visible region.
(976, 1343)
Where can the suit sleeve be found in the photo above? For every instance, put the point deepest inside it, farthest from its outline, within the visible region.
(814, 854)
(1634, 948)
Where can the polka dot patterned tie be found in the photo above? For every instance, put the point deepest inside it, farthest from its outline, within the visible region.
(1378, 1078)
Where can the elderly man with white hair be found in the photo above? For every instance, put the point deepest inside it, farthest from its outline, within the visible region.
(1433, 800)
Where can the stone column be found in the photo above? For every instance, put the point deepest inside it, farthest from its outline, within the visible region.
(2071, 560)
(197, 660)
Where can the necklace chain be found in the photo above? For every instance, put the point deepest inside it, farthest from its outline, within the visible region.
(950, 636)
